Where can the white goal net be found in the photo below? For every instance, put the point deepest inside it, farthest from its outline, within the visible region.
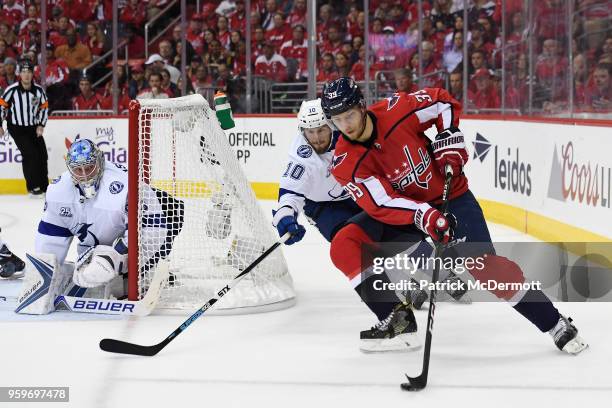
(193, 206)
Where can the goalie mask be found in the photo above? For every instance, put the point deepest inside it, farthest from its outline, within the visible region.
(85, 162)
(314, 125)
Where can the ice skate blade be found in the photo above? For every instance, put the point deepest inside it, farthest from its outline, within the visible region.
(401, 343)
(575, 346)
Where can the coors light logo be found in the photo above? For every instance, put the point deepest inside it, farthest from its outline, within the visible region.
(580, 181)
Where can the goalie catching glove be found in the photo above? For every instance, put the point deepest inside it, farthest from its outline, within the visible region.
(99, 265)
(435, 224)
(285, 220)
(449, 149)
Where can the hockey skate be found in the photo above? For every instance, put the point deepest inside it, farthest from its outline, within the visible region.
(417, 296)
(11, 266)
(396, 333)
(566, 337)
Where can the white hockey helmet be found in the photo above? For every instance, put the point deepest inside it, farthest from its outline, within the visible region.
(311, 115)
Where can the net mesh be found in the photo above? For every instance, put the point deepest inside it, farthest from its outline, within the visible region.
(197, 211)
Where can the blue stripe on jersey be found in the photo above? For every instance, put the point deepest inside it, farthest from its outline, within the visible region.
(53, 230)
(283, 191)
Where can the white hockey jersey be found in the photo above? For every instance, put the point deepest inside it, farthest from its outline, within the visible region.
(95, 221)
(308, 176)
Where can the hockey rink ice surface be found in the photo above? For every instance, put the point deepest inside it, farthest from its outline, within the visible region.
(483, 355)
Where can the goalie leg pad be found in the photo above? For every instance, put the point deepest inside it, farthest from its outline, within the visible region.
(43, 282)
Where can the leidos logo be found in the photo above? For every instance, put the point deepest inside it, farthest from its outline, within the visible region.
(511, 173)
(583, 183)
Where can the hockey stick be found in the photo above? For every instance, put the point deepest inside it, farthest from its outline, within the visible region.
(123, 347)
(418, 383)
(142, 307)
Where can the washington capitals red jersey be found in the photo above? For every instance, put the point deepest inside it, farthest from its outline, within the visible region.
(394, 173)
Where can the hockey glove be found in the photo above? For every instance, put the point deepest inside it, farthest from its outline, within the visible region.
(285, 220)
(432, 222)
(449, 148)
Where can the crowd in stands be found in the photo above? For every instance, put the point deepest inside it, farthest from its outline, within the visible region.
(78, 33)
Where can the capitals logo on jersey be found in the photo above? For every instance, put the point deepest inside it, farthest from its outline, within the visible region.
(412, 171)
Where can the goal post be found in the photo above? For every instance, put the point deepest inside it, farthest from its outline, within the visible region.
(190, 203)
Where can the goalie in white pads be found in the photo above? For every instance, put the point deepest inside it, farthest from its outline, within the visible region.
(89, 202)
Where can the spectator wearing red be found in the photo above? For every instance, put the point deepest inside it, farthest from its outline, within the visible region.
(397, 19)
(325, 21)
(257, 43)
(195, 35)
(390, 54)
(333, 43)
(136, 43)
(327, 69)
(479, 42)
(358, 68)
(298, 14)
(517, 92)
(267, 17)
(226, 7)
(87, 99)
(383, 10)
(134, 13)
(356, 27)
(412, 11)
(14, 10)
(56, 70)
(403, 80)
(215, 56)
(31, 13)
(598, 94)
(8, 35)
(271, 65)
(94, 39)
(167, 85)
(280, 33)
(580, 78)
(435, 37)
(29, 38)
(106, 98)
(75, 10)
(10, 76)
(429, 66)
(485, 96)
(237, 19)
(223, 33)
(100, 10)
(551, 19)
(551, 71)
(297, 49)
(239, 60)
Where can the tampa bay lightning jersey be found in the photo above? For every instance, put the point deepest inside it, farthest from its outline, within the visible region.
(96, 221)
(308, 176)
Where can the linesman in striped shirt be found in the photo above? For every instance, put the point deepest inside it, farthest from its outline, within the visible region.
(24, 106)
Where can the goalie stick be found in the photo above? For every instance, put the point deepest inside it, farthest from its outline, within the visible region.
(143, 307)
(123, 347)
(418, 383)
